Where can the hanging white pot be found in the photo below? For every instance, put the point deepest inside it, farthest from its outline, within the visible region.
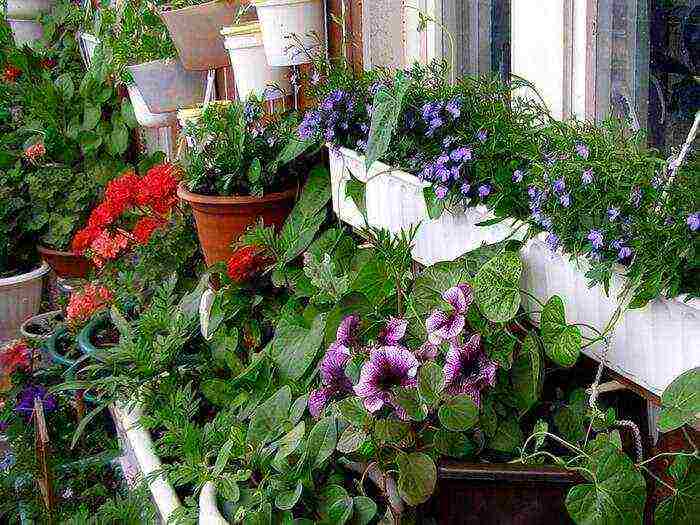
(144, 116)
(25, 31)
(20, 299)
(88, 44)
(244, 43)
(291, 29)
(166, 86)
(27, 9)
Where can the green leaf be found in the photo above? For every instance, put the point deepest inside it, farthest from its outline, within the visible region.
(89, 141)
(417, 477)
(223, 456)
(409, 400)
(356, 190)
(269, 417)
(571, 419)
(91, 116)
(391, 431)
(322, 441)
(364, 509)
(684, 505)
(293, 149)
(526, 374)
(497, 287)
(508, 437)
(65, 86)
(453, 444)
(385, 115)
(430, 382)
(353, 411)
(459, 413)
(127, 111)
(562, 342)
(680, 402)
(434, 205)
(290, 442)
(615, 496)
(351, 440)
(119, 139)
(217, 391)
(294, 348)
(286, 500)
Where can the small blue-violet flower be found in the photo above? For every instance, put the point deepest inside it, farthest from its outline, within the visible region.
(587, 176)
(694, 221)
(582, 150)
(517, 176)
(613, 214)
(565, 200)
(484, 190)
(596, 238)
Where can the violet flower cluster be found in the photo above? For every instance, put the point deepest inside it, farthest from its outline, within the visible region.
(336, 117)
(391, 365)
(25, 400)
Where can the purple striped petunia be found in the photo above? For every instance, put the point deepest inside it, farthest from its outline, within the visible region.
(467, 370)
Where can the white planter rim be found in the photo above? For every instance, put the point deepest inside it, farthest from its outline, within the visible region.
(251, 40)
(250, 28)
(24, 277)
(270, 3)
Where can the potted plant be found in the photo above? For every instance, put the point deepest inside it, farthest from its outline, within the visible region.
(39, 328)
(234, 177)
(194, 27)
(292, 30)
(243, 42)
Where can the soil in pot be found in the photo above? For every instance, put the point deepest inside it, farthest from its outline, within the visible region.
(62, 348)
(105, 336)
(40, 327)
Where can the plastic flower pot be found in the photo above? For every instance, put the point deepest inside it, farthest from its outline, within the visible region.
(166, 86)
(208, 506)
(291, 30)
(25, 31)
(54, 351)
(20, 298)
(66, 265)
(27, 9)
(144, 116)
(221, 220)
(86, 335)
(40, 328)
(195, 33)
(394, 201)
(251, 72)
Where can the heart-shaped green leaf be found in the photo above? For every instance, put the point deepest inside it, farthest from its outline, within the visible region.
(417, 477)
(497, 287)
(680, 402)
(459, 413)
(562, 342)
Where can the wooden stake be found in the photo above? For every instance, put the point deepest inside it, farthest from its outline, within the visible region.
(42, 451)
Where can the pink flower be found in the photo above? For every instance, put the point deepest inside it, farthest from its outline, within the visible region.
(84, 303)
(442, 326)
(467, 370)
(107, 247)
(35, 151)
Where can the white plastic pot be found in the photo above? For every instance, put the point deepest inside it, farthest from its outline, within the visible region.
(244, 43)
(144, 116)
(208, 509)
(87, 44)
(27, 9)
(650, 346)
(285, 21)
(20, 299)
(25, 31)
(165, 86)
(395, 201)
(138, 443)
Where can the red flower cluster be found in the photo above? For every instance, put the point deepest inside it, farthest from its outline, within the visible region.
(83, 304)
(35, 151)
(154, 195)
(245, 263)
(11, 73)
(14, 356)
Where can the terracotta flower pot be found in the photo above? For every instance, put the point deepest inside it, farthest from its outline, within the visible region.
(221, 220)
(67, 265)
(195, 32)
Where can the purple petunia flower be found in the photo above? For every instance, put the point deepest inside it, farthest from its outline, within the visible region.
(587, 176)
(454, 108)
(565, 200)
(388, 367)
(461, 154)
(394, 332)
(427, 352)
(613, 214)
(484, 190)
(559, 185)
(517, 176)
(442, 326)
(333, 379)
(467, 370)
(624, 253)
(552, 241)
(441, 191)
(596, 239)
(346, 333)
(582, 150)
(693, 221)
(482, 135)
(25, 400)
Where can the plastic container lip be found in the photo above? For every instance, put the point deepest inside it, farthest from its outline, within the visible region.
(248, 28)
(24, 277)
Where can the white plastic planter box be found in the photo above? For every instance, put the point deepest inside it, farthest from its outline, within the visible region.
(289, 27)
(27, 9)
(25, 31)
(395, 201)
(20, 299)
(650, 346)
(244, 43)
(138, 444)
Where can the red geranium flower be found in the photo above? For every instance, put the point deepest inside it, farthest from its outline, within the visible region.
(103, 215)
(16, 355)
(158, 188)
(107, 246)
(244, 263)
(83, 239)
(121, 192)
(35, 151)
(84, 303)
(145, 227)
(11, 73)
